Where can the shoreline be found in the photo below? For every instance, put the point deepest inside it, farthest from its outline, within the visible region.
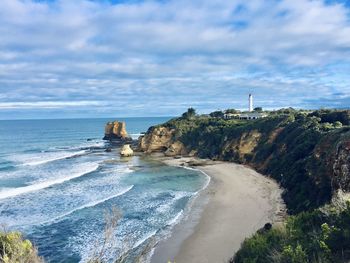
(236, 203)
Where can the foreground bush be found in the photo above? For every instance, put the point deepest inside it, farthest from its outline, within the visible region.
(15, 249)
(316, 236)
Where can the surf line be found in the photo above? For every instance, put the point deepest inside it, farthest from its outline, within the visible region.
(39, 186)
(92, 204)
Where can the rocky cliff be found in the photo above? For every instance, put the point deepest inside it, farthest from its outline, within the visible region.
(341, 166)
(310, 157)
(161, 139)
(116, 131)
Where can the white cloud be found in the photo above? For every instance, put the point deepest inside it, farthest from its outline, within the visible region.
(48, 104)
(165, 51)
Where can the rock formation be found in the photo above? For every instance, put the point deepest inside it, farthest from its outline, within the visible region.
(161, 139)
(116, 131)
(177, 148)
(126, 151)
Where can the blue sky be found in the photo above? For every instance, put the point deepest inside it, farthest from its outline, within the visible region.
(66, 59)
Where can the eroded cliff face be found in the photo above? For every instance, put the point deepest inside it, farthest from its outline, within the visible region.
(341, 166)
(161, 139)
(116, 130)
(242, 146)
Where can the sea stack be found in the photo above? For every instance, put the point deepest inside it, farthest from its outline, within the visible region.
(126, 151)
(116, 131)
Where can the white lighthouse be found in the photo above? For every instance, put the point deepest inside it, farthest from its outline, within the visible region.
(250, 102)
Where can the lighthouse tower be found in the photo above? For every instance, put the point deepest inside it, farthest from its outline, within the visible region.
(250, 102)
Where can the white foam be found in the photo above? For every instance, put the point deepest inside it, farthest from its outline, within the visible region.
(42, 158)
(89, 144)
(91, 204)
(42, 185)
(135, 136)
(207, 176)
(176, 219)
(144, 238)
(125, 169)
(164, 208)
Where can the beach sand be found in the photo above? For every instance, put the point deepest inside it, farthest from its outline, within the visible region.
(237, 202)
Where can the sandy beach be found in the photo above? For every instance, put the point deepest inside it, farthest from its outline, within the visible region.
(237, 202)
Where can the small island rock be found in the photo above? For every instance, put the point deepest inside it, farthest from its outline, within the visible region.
(126, 151)
(116, 130)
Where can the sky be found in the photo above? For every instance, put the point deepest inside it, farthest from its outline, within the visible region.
(90, 58)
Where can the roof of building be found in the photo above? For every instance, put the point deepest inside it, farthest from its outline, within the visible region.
(252, 114)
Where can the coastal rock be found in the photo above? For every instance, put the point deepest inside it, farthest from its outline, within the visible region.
(157, 139)
(192, 153)
(161, 139)
(177, 148)
(126, 151)
(116, 130)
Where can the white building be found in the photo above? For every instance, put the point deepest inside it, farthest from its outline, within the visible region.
(249, 115)
(252, 116)
(250, 103)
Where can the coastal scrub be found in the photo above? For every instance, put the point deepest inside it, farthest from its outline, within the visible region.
(317, 236)
(15, 249)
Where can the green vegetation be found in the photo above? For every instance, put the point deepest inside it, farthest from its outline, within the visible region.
(189, 114)
(297, 148)
(15, 249)
(233, 111)
(315, 236)
(216, 114)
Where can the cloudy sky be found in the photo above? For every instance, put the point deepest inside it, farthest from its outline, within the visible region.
(85, 58)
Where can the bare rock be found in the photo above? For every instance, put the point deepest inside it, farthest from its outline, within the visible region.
(116, 130)
(126, 151)
(177, 148)
(159, 139)
(341, 166)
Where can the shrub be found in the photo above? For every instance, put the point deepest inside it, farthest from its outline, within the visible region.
(316, 236)
(15, 249)
(337, 124)
(216, 114)
(190, 113)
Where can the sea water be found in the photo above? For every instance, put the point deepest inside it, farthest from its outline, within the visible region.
(57, 184)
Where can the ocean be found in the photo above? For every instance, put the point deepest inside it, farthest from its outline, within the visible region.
(57, 184)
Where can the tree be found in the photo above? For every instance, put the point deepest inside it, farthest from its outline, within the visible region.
(233, 111)
(189, 114)
(258, 109)
(217, 114)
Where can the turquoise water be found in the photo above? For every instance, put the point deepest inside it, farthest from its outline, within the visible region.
(57, 182)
